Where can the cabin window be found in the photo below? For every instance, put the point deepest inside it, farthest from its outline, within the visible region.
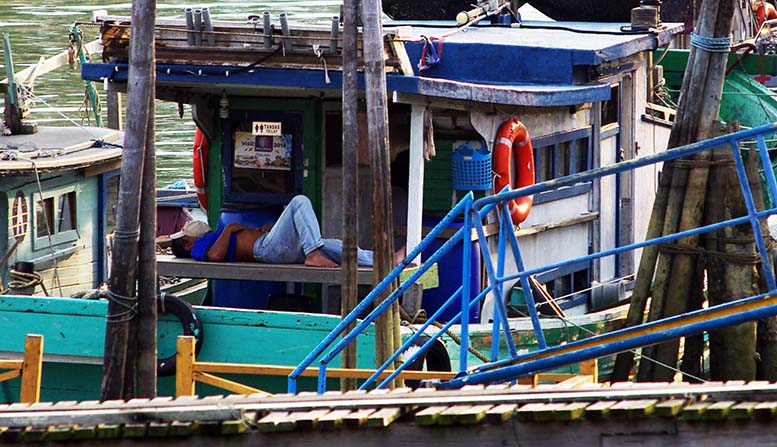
(44, 217)
(66, 212)
(112, 202)
(611, 108)
(568, 284)
(56, 217)
(562, 154)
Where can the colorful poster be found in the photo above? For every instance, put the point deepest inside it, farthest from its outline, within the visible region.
(262, 152)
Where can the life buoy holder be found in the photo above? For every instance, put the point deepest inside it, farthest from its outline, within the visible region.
(190, 321)
(513, 153)
(200, 166)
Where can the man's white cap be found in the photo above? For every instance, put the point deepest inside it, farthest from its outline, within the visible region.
(192, 228)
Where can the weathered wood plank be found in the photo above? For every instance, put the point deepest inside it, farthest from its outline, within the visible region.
(463, 414)
(158, 429)
(429, 415)
(742, 410)
(695, 411)
(134, 430)
(633, 409)
(275, 421)
(168, 265)
(670, 408)
(526, 412)
(571, 411)
(718, 411)
(599, 410)
(358, 417)
(59, 433)
(383, 417)
(332, 419)
(765, 410)
(501, 413)
(307, 419)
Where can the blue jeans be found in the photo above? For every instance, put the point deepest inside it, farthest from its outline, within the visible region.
(295, 234)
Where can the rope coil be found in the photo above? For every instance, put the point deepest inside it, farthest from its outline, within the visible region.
(711, 44)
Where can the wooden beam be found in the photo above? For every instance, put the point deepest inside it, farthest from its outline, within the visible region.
(226, 384)
(32, 369)
(274, 370)
(52, 63)
(12, 374)
(184, 366)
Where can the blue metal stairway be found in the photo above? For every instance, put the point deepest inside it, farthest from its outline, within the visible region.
(544, 358)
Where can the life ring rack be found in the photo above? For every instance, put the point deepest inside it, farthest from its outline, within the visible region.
(513, 152)
(200, 166)
(190, 322)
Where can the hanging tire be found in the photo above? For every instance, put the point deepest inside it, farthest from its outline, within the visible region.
(435, 359)
(190, 322)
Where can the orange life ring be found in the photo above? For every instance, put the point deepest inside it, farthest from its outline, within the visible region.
(513, 138)
(200, 166)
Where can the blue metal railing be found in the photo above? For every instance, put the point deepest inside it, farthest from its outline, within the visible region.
(548, 357)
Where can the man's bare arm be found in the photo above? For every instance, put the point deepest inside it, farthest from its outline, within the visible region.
(218, 251)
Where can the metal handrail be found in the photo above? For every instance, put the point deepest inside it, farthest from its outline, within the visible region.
(475, 210)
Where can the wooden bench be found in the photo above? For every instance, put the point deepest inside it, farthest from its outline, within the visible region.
(168, 265)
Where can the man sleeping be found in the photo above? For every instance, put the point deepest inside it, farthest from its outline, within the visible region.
(295, 238)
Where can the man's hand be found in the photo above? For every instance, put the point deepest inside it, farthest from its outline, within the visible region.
(234, 227)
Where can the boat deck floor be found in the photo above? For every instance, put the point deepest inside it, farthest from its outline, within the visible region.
(55, 148)
(645, 414)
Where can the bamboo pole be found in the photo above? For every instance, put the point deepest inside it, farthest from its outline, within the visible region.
(377, 117)
(732, 349)
(697, 111)
(121, 289)
(146, 356)
(350, 169)
(711, 68)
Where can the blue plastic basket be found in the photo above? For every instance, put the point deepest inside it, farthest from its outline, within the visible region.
(471, 168)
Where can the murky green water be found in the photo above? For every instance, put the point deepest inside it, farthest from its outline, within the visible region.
(41, 27)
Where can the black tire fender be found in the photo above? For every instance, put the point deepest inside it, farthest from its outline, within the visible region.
(190, 322)
(435, 357)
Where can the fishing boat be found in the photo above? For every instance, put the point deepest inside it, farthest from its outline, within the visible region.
(267, 99)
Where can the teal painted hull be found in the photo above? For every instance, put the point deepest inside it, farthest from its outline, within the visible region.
(74, 329)
(74, 332)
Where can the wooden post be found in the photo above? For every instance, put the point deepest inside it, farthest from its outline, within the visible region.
(113, 100)
(184, 366)
(32, 369)
(377, 117)
(350, 169)
(146, 354)
(122, 303)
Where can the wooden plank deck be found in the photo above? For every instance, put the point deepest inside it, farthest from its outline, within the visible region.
(704, 414)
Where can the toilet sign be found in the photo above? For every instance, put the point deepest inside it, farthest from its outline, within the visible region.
(266, 128)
